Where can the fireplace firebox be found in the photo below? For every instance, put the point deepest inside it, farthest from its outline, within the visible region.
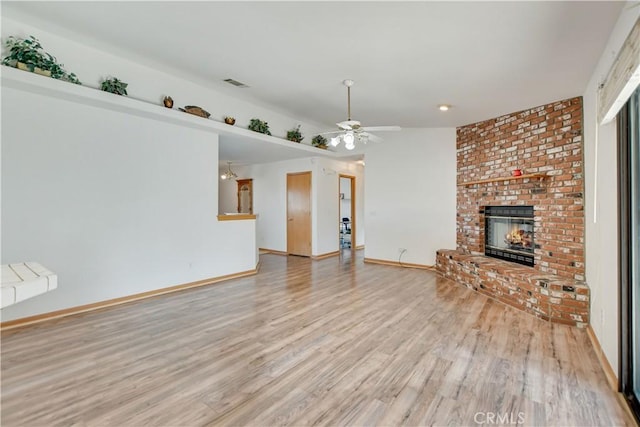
(509, 233)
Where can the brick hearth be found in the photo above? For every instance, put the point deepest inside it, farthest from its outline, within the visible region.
(542, 140)
(546, 296)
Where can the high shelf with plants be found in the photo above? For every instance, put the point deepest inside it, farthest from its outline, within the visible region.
(30, 82)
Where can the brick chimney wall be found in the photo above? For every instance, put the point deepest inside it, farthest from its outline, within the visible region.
(546, 140)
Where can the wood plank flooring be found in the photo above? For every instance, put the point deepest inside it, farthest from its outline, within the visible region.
(330, 342)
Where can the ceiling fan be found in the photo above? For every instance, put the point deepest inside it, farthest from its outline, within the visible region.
(352, 130)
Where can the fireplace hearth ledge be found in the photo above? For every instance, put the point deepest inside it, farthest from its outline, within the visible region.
(549, 297)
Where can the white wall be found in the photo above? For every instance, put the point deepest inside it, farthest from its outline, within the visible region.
(270, 200)
(602, 230)
(345, 208)
(345, 188)
(345, 203)
(329, 208)
(114, 204)
(411, 195)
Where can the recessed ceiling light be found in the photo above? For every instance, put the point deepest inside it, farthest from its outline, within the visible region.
(444, 107)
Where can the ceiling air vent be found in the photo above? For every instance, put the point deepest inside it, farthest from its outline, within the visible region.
(235, 83)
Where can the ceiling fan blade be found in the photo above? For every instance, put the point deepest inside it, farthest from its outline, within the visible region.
(381, 128)
(371, 137)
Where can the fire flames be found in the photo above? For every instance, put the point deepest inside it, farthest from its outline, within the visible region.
(519, 237)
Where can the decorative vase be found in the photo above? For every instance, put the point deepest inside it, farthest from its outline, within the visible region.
(25, 67)
(168, 102)
(46, 73)
(516, 172)
(230, 121)
(196, 111)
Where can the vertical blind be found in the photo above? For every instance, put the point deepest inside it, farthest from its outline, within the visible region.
(623, 78)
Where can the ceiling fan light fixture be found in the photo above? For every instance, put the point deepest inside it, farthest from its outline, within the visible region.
(348, 139)
(351, 131)
(444, 107)
(229, 174)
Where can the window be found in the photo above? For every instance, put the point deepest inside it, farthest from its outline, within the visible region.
(629, 185)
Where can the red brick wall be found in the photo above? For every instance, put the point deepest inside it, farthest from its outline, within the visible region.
(545, 139)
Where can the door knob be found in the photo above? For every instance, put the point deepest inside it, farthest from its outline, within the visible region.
(290, 219)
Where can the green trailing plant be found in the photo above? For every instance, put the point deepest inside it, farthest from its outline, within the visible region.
(114, 85)
(319, 141)
(28, 54)
(295, 135)
(259, 126)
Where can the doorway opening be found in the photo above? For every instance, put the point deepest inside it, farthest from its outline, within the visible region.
(347, 212)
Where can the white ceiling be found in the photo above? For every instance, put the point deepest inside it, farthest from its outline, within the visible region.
(484, 58)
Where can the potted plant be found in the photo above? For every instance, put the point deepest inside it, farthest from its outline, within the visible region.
(28, 54)
(295, 135)
(259, 126)
(319, 141)
(113, 85)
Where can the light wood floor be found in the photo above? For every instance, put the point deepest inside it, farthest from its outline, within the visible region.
(331, 342)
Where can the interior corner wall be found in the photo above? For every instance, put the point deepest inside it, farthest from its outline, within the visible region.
(601, 199)
(114, 204)
(411, 195)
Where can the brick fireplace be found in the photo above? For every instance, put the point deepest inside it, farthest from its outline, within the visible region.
(545, 143)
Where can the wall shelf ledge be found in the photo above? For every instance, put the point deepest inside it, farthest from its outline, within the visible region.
(87, 95)
(531, 176)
